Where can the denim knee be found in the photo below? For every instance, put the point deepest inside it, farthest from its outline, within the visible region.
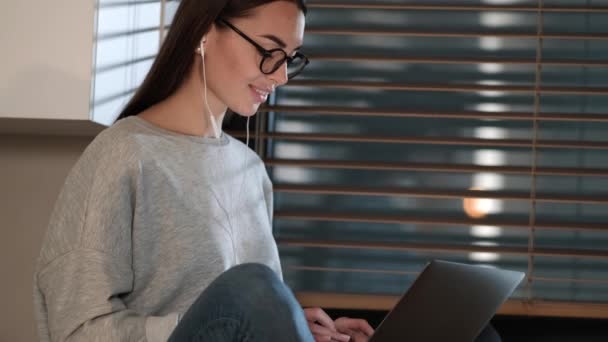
(253, 298)
(268, 304)
(251, 272)
(254, 281)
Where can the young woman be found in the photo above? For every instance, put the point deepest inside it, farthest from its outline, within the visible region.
(162, 230)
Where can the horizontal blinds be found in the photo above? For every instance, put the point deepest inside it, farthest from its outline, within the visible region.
(480, 140)
(455, 34)
(448, 88)
(349, 111)
(456, 7)
(436, 140)
(127, 38)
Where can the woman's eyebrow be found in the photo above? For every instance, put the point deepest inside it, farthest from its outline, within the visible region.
(278, 40)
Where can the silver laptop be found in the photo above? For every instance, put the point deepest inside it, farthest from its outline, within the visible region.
(448, 302)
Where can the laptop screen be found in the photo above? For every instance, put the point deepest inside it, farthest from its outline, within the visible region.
(448, 302)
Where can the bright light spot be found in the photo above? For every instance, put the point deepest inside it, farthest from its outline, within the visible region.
(488, 132)
(491, 68)
(491, 93)
(491, 107)
(485, 243)
(490, 43)
(488, 158)
(486, 232)
(488, 181)
(491, 82)
(498, 19)
(480, 207)
(292, 175)
(294, 150)
(484, 256)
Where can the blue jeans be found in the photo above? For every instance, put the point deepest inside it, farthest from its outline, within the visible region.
(246, 303)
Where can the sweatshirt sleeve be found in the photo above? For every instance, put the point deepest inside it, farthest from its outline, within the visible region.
(82, 291)
(85, 270)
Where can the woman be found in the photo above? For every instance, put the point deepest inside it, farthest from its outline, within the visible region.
(154, 217)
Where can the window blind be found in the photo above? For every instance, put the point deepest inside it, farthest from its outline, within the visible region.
(472, 131)
(127, 39)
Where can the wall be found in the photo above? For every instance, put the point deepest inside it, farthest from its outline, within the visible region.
(32, 171)
(47, 54)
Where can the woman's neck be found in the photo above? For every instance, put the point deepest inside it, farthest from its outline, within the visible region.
(185, 110)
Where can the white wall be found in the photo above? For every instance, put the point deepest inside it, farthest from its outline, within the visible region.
(46, 60)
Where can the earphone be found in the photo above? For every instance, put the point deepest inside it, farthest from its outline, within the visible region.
(216, 130)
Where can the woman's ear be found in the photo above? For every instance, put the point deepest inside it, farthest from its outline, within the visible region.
(200, 49)
(212, 33)
(207, 37)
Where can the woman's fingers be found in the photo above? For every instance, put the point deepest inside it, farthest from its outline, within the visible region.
(321, 333)
(319, 316)
(361, 325)
(356, 336)
(322, 338)
(322, 326)
(359, 337)
(343, 329)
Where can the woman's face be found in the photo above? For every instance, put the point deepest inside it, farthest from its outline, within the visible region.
(233, 64)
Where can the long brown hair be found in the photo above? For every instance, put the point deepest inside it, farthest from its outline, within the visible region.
(174, 60)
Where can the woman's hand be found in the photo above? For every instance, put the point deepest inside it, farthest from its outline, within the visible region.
(322, 326)
(358, 329)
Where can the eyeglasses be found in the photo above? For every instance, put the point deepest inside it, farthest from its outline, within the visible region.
(273, 59)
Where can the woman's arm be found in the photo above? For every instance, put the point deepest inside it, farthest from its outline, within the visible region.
(85, 266)
(81, 292)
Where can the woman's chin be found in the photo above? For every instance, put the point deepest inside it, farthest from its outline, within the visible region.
(247, 111)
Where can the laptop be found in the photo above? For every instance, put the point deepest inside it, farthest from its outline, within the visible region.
(448, 302)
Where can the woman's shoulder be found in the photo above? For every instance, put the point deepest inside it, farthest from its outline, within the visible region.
(119, 132)
(113, 146)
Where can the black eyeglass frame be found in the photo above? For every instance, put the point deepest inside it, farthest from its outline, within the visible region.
(268, 53)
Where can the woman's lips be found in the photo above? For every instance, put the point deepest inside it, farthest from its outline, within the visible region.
(259, 95)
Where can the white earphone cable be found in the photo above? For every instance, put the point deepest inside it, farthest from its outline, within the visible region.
(216, 129)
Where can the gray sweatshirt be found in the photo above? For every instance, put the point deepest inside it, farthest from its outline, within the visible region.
(146, 219)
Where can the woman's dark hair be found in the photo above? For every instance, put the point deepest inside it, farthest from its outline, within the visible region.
(174, 61)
